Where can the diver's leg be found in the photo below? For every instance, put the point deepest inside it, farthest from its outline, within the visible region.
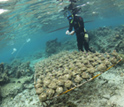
(86, 42)
(86, 46)
(80, 43)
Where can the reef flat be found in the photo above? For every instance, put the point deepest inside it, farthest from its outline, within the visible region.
(17, 79)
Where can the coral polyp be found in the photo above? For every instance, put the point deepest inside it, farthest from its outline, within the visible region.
(68, 70)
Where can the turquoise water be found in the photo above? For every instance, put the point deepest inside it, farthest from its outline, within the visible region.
(25, 24)
(33, 30)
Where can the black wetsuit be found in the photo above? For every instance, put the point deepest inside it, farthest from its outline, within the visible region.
(78, 25)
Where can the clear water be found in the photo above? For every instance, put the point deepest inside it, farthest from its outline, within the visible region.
(24, 24)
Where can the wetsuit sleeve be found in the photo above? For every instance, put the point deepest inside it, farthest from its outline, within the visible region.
(80, 24)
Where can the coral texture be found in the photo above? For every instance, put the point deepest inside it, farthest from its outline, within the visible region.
(66, 70)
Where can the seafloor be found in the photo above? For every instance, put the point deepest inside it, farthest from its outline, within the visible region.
(107, 90)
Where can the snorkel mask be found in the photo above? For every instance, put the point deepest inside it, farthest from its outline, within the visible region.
(70, 17)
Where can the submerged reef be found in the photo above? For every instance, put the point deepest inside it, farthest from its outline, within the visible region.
(16, 86)
(106, 39)
(3, 75)
(16, 69)
(52, 47)
(67, 70)
(1, 67)
(14, 78)
(103, 39)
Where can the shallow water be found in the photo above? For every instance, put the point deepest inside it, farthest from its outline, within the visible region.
(34, 30)
(33, 19)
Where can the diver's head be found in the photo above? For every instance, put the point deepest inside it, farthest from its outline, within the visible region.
(70, 17)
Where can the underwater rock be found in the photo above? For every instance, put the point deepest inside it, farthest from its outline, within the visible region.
(1, 67)
(38, 55)
(3, 78)
(103, 31)
(25, 65)
(21, 69)
(15, 63)
(106, 96)
(18, 74)
(3, 75)
(69, 45)
(71, 104)
(121, 45)
(28, 86)
(52, 47)
(12, 89)
(100, 39)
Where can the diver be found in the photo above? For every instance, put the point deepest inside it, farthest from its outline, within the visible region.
(77, 23)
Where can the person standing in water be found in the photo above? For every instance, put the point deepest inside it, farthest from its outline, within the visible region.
(77, 23)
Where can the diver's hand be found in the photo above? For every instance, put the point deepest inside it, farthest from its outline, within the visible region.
(67, 32)
(72, 32)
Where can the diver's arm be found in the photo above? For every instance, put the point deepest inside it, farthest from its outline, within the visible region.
(69, 31)
(70, 27)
